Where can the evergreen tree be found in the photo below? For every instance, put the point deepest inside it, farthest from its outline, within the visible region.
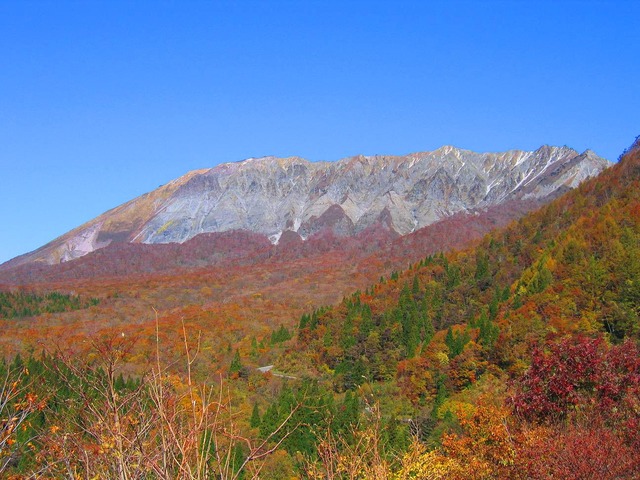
(270, 420)
(488, 331)
(254, 422)
(428, 331)
(236, 368)
(441, 395)
(482, 275)
(415, 289)
(456, 342)
(280, 335)
(367, 321)
(304, 321)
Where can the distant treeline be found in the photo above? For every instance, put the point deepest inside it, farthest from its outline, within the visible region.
(25, 304)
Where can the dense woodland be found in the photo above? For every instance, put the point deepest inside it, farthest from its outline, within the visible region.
(516, 358)
(25, 304)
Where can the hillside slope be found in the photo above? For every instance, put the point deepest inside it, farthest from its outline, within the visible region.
(498, 351)
(517, 358)
(572, 266)
(270, 196)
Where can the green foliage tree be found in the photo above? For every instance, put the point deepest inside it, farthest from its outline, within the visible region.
(280, 335)
(236, 368)
(456, 341)
(254, 421)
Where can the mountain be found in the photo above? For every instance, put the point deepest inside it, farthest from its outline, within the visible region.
(299, 199)
(569, 267)
(516, 357)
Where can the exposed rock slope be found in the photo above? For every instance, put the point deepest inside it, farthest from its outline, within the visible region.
(275, 195)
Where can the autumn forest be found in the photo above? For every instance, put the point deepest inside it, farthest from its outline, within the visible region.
(506, 350)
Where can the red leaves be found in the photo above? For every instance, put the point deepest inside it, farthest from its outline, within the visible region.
(577, 372)
(584, 450)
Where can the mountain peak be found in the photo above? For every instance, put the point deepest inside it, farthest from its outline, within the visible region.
(449, 149)
(270, 160)
(589, 153)
(271, 195)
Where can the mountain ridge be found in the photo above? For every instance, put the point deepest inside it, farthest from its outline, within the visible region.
(272, 195)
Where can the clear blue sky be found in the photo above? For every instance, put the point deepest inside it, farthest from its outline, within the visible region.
(103, 101)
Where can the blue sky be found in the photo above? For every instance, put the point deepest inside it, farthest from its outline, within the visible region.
(103, 101)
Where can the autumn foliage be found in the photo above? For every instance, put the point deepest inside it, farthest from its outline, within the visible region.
(514, 358)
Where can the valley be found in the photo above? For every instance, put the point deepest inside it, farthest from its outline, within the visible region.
(418, 356)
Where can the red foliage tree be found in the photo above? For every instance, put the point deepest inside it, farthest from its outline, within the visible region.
(580, 372)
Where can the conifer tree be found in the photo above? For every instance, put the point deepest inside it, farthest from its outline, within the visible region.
(236, 365)
(254, 421)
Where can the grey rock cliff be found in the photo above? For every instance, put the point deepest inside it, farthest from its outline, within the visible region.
(274, 195)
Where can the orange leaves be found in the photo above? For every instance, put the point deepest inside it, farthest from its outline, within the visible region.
(415, 380)
(485, 437)
(465, 368)
(482, 449)
(577, 450)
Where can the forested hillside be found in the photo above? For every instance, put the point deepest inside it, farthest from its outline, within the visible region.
(517, 358)
(510, 358)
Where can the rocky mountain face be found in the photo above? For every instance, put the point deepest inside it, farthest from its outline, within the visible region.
(292, 196)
